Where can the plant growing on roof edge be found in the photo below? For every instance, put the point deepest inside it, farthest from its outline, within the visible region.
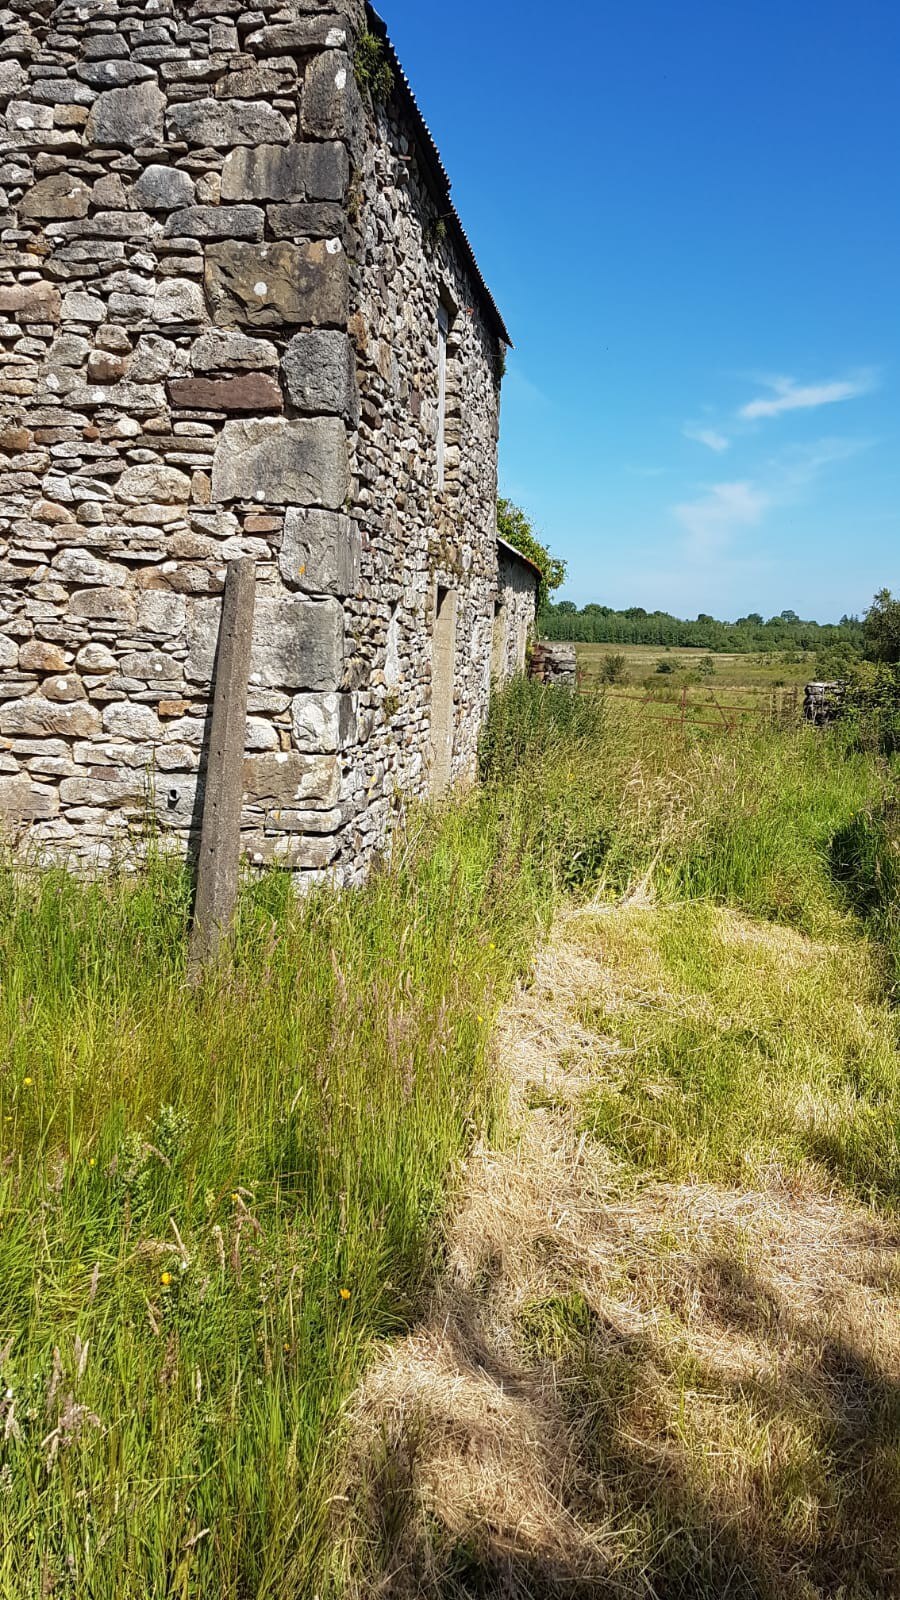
(371, 70)
(515, 526)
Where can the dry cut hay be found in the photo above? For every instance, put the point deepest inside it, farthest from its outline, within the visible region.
(662, 1390)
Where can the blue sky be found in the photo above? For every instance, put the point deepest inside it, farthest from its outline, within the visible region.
(689, 213)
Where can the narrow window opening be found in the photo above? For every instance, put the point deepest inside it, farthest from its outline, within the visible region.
(443, 673)
(443, 340)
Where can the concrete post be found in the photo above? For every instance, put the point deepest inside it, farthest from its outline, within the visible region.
(220, 835)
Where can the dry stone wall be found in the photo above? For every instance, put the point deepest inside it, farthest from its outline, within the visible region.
(218, 329)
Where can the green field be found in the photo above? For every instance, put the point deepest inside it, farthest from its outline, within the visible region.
(754, 673)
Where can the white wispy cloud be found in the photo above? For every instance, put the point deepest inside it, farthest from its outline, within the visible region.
(788, 395)
(712, 520)
(711, 437)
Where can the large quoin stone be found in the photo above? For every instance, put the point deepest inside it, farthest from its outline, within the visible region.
(320, 374)
(287, 778)
(215, 222)
(297, 643)
(269, 285)
(320, 552)
(127, 118)
(254, 391)
(330, 105)
(222, 123)
(59, 196)
(306, 219)
(321, 722)
(35, 717)
(282, 463)
(286, 172)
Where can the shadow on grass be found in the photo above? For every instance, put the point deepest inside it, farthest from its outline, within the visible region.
(631, 1486)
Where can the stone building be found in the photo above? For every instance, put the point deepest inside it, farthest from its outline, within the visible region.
(239, 317)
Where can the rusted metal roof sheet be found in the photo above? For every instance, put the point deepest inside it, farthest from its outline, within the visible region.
(438, 178)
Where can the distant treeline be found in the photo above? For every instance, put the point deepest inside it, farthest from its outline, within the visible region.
(596, 624)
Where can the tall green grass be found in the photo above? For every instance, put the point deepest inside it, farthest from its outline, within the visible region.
(214, 1201)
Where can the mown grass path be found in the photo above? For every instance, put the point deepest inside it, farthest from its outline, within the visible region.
(665, 1355)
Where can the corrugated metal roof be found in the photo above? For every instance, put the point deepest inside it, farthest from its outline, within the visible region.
(439, 178)
(510, 550)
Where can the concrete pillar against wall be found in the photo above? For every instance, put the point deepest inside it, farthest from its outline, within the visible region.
(218, 859)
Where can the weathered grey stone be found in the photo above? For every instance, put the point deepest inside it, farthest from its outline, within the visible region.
(161, 612)
(95, 658)
(221, 351)
(163, 188)
(113, 74)
(127, 118)
(222, 123)
(321, 722)
(286, 172)
(155, 358)
(36, 717)
(22, 800)
(64, 688)
(320, 552)
(68, 350)
(152, 666)
(320, 374)
(81, 567)
(331, 107)
(103, 605)
(269, 285)
(59, 91)
(60, 195)
(305, 36)
(165, 484)
(281, 462)
(178, 300)
(78, 306)
(297, 644)
(287, 778)
(125, 720)
(11, 655)
(216, 222)
(107, 786)
(307, 220)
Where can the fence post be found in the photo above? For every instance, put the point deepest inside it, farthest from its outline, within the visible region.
(218, 859)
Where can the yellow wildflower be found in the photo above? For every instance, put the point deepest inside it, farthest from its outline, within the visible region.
(28, 1082)
(165, 1279)
(345, 1294)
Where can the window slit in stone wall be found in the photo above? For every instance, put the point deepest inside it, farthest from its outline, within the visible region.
(443, 673)
(498, 643)
(443, 341)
